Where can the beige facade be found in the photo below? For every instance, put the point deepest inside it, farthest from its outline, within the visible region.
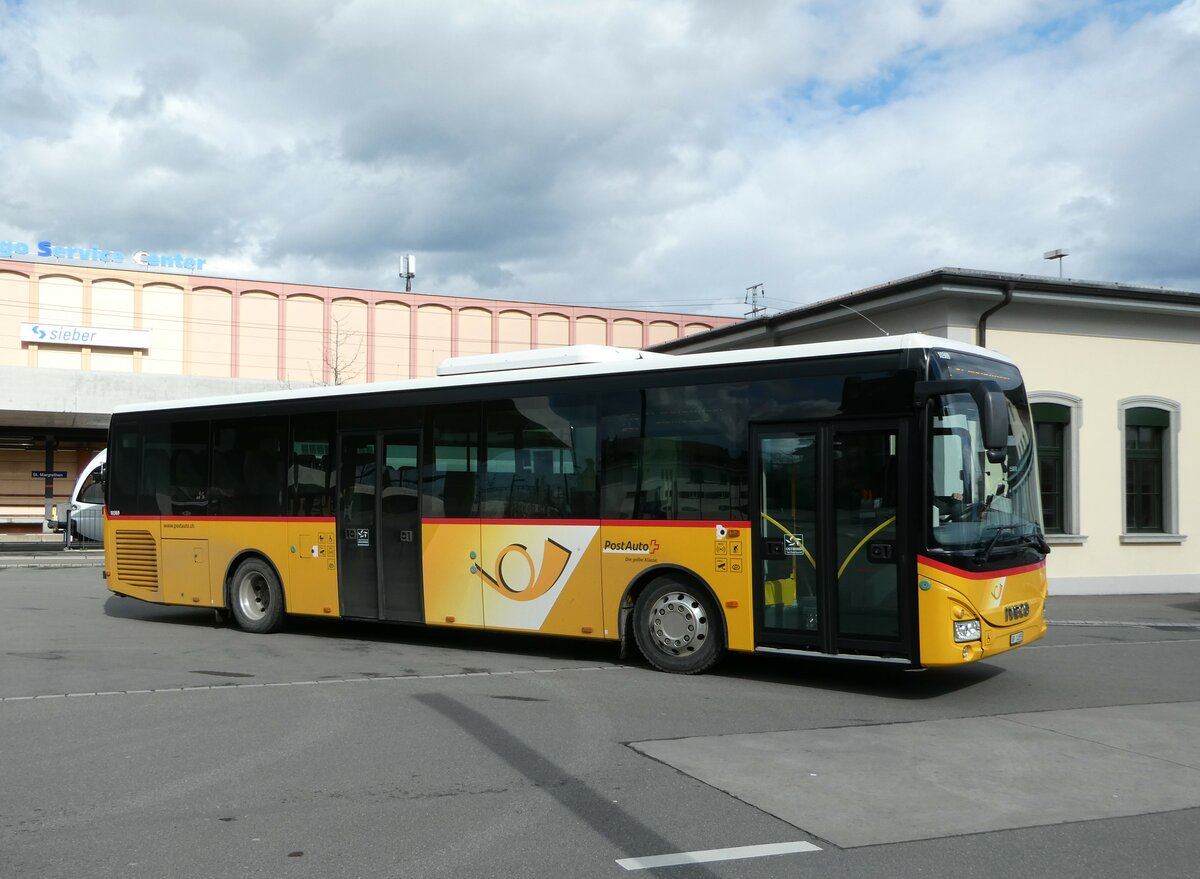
(230, 328)
(103, 337)
(1102, 372)
(1098, 354)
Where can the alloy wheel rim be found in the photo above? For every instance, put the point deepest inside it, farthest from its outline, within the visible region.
(678, 623)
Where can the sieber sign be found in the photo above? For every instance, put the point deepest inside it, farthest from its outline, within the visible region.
(93, 337)
(144, 258)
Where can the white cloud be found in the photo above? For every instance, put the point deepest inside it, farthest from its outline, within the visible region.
(615, 152)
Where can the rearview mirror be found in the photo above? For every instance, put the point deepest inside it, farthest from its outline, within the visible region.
(989, 400)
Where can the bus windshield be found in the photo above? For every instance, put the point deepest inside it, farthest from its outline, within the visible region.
(983, 511)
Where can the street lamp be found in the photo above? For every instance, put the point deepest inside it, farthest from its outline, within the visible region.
(1058, 255)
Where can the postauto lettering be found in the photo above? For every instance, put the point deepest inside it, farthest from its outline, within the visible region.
(625, 546)
(97, 254)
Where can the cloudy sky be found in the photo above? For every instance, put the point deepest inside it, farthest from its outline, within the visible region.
(661, 154)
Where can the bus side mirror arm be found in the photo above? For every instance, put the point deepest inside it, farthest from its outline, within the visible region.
(989, 400)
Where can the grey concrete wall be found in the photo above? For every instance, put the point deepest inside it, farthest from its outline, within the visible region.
(66, 398)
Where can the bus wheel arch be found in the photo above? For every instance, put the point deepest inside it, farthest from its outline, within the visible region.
(254, 593)
(675, 619)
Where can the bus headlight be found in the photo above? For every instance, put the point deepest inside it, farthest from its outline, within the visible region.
(967, 630)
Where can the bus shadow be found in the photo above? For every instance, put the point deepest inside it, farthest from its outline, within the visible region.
(1190, 604)
(467, 640)
(863, 678)
(122, 608)
(350, 633)
(866, 678)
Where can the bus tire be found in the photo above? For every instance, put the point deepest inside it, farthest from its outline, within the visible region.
(678, 627)
(256, 597)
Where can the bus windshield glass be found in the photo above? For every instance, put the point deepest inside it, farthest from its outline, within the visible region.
(982, 512)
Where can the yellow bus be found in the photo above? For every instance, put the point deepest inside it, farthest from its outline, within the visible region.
(868, 499)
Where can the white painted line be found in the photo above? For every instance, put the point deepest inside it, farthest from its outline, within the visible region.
(1161, 643)
(1128, 624)
(252, 686)
(717, 854)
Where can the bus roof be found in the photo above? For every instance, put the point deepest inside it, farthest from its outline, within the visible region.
(631, 361)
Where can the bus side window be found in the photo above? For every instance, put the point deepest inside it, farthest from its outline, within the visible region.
(310, 474)
(693, 453)
(534, 449)
(451, 462)
(620, 451)
(121, 487)
(248, 467)
(155, 497)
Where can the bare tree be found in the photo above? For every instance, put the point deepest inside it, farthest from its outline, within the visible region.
(343, 353)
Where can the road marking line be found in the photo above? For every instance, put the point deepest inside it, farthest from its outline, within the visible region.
(717, 854)
(253, 686)
(1114, 644)
(1132, 624)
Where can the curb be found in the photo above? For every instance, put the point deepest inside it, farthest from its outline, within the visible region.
(56, 560)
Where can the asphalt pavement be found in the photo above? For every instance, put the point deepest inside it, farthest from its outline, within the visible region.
(147, 741)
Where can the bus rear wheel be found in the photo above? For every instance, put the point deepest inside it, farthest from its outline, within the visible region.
(256, 597)
(678, 627)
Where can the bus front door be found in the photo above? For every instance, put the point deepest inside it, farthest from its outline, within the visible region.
(379, 527)
(829, 560)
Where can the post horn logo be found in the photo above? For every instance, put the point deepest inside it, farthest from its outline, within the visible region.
(536, 582)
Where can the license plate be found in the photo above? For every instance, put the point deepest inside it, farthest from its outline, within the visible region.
(1015, 639)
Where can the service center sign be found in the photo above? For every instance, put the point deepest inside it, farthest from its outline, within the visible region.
(143, 258)
(93, 337)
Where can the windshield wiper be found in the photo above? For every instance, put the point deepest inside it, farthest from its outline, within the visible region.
(1038, 541)
(985, 554)
(1035, 540)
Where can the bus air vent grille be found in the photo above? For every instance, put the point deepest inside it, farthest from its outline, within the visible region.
(137, 559)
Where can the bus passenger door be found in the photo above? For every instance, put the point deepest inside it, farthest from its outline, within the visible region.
(789, 595)
(379, 527)
(827, 550)
(868, 484)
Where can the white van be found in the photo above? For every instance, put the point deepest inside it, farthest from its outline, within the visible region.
(87, 501)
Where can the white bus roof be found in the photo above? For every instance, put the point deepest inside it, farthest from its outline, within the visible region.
(568, 363)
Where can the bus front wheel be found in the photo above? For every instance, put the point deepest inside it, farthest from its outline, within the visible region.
(256, 597)
(678, 627)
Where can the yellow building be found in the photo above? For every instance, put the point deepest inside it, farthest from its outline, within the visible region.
(77, 340)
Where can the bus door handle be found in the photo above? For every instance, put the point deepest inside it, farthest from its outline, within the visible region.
(777, 550)
(881, 552)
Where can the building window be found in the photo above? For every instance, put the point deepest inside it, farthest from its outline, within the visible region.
(1149, 427)
(1144, 431)
(1050, 426)
(1056, 420)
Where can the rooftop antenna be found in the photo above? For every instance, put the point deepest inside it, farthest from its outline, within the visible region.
(754, 297)
(864, 317)
(408, 271)
(1059, 255)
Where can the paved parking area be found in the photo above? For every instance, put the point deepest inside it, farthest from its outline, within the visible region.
(147, 741)
(886, 783)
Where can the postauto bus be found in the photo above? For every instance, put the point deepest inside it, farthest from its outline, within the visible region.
(869, 499)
